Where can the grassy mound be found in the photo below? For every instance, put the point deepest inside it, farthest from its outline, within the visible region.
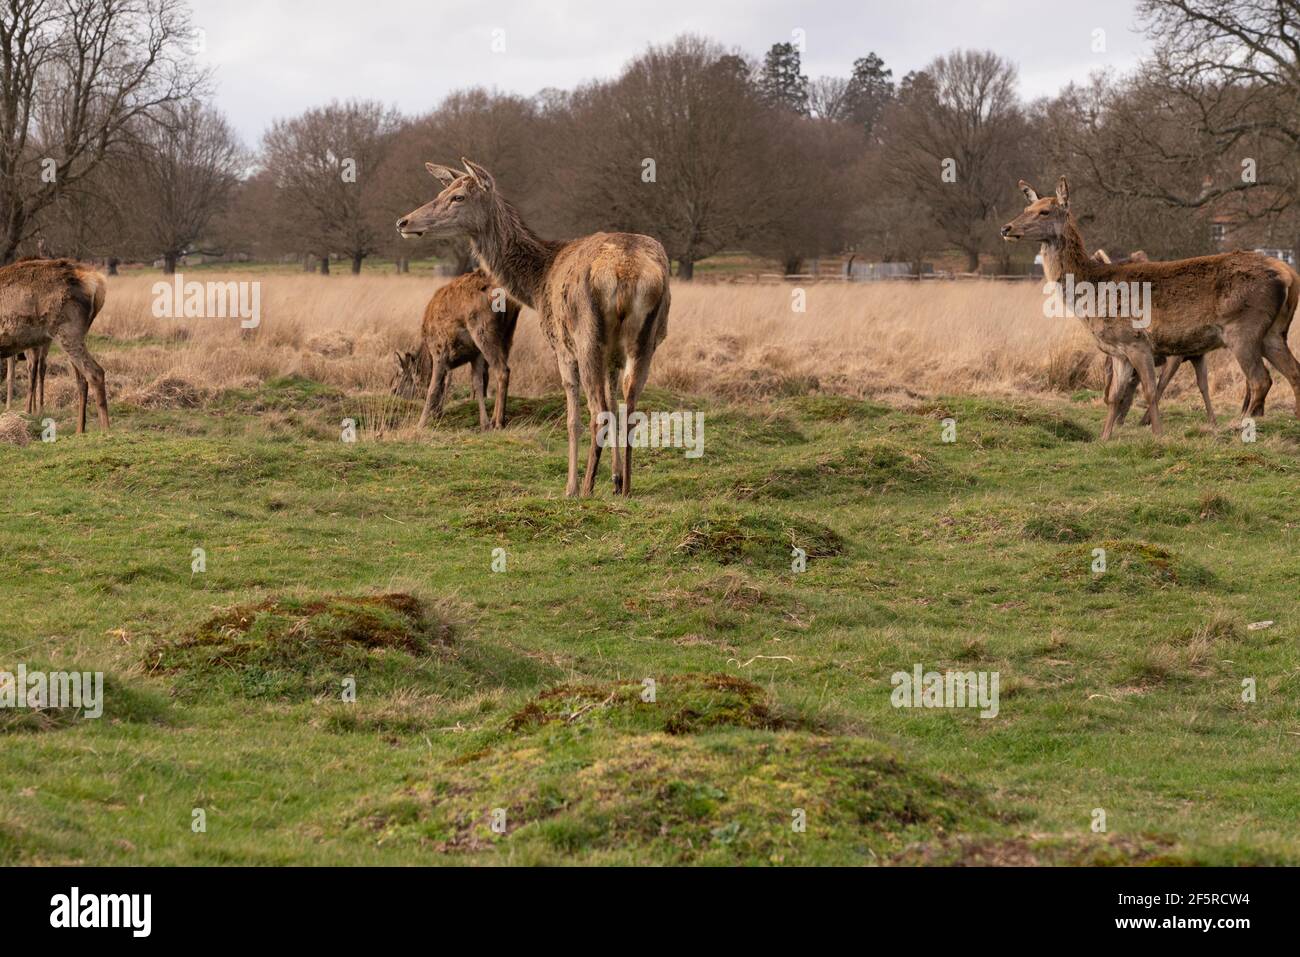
(683, 704)
(544, 518)
(295, 648)
(729, 537)
(699, 776)
(864, 467)
(119, 702)
(1130, 566)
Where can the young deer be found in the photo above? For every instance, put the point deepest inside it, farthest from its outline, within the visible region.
(602, 300)
(44, 299)
(1238, 300)
(467, 320)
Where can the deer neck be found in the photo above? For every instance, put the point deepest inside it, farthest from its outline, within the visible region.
(513, 254)
(1067, 255)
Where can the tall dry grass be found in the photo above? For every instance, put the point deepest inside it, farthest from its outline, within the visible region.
(885, 340)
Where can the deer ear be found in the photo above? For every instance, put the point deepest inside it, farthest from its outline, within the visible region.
(444, 174)
(480, 176)
(1063, 193)
(1030, 193)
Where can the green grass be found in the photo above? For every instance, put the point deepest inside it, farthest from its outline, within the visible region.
(523, 693)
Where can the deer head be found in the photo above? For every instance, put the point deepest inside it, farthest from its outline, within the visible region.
(406, 381)
(1043, 219)
(462, 208)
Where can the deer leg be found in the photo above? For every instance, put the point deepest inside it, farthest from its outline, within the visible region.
(595, 383)
(1275, 348)
(569, 376)
(73, 342)
(1258, 381)
(11, 370)
(1145, 364)
(437, 390)
(501, 385)
(1203, 383)
(1125, 391)
(478, 371)
(1121, 385)
(81, 399)
(636, 372)
(617, 451)
(493, 351)
(1166, 375)
(33, 377)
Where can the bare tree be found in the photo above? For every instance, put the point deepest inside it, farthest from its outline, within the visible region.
(74, 76)
(675, 148)
(180, 175)
(1212, 122)
(953, 137)
(326, 165)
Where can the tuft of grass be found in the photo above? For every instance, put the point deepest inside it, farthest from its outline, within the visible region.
(1129, 565)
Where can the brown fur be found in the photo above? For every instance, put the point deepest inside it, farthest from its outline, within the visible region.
(54, 299)
(1238, 300)
(602, 300)
(460, 326)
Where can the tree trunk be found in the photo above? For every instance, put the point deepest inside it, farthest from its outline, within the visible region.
(972, 260)
(169, 263)
(792, 264)
(686, 269)
(112, 265)
(356, 263)
(404, 265)
(306, 263)
(325, 265)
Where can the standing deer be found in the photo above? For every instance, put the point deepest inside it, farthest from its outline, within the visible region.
(44, 299)
(467, 320)
(1238, 300)
(1169, 365)
(602, 300)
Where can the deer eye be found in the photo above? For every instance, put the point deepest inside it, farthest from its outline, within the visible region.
(458, 198)
(1042, 212)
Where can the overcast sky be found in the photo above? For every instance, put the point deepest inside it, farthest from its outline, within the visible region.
(274, 58)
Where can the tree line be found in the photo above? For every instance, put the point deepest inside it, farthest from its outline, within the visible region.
(111, 149)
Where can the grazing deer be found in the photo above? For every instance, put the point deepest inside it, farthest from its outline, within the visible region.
(602, 300)
(1238, 300)
(1169, 364)
(44, 299)
(467, 320)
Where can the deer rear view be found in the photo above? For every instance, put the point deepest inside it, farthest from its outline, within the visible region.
(54, 299)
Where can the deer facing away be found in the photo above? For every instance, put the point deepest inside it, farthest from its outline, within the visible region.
(54, 299)
(469, 320)
(1241, 301)
(602, 300)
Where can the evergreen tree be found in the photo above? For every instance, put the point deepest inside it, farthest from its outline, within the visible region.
(780, 83)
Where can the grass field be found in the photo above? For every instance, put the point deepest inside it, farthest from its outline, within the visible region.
(521, 691)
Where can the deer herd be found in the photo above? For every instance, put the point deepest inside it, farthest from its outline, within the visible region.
(602, 302)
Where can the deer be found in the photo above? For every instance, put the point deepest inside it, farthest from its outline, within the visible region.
(1239, 300)
(54, 299)
(1169, 365)
(602, 300)
(466, 321)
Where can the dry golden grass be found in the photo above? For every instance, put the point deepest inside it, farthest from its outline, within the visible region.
(892, 341)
